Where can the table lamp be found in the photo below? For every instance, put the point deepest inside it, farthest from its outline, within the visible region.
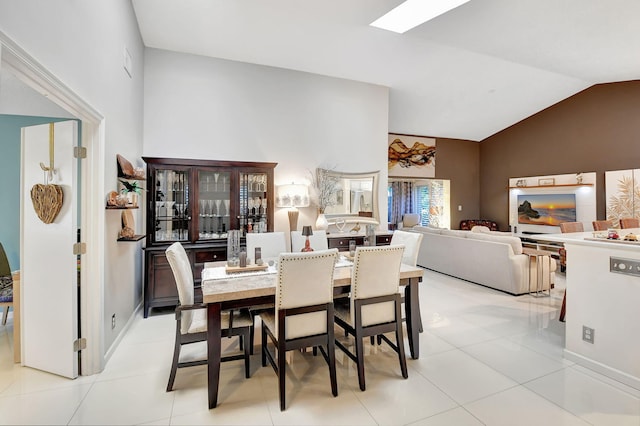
(293, 196)
(307, 232)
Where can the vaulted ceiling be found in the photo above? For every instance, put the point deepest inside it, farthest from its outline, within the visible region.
(467, 74)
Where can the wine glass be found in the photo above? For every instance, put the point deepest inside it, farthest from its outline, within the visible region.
(215, 177)
(340, 223)
(226, 207)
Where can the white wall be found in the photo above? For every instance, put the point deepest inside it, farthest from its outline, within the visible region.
(197, 107)
(82, 43)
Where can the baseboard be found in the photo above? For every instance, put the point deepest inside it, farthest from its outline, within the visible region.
(603, 369)
(123, 332)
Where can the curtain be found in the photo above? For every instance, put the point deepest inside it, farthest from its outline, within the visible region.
(402, 200)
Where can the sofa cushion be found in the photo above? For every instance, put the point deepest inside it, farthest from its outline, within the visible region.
(427, 229)
(515, 242)
(454, 233)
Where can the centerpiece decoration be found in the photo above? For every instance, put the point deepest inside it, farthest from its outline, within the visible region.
(324, 188)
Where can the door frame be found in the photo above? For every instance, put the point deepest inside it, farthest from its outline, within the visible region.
(35, 75)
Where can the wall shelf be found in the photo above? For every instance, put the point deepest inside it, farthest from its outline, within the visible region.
(551, 186)
(132, 239)
(121, 208)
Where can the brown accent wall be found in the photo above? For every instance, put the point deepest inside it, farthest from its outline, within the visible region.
(596, 130)
(459, 161)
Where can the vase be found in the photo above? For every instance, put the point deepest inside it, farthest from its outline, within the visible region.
(321, 222)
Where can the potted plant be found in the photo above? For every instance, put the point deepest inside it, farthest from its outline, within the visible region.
(324, 185)
(131, 190)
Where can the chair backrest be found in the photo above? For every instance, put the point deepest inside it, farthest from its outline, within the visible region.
(5, 269)
(305, 279)
(602, 225)
(6, 280)
(566, 227)
(376, 272)
(410, 219)
(270, 243)
(318, 240)
(411, 242)
(183, 274)
(629, 222)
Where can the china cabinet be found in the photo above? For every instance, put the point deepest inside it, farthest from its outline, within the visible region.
(196, 202)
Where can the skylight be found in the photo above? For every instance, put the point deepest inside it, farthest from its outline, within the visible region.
(412, 13)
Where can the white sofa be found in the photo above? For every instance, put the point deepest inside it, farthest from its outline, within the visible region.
(492, 259)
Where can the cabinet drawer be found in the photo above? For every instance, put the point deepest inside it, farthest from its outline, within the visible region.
(342, 243)
(210, 255)
(383, 240)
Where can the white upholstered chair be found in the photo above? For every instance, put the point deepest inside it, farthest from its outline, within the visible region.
(191, 319)
(303, 313)
(410, 219)
(374, 304)
(270, 243)
(318, 240)
(411, 242)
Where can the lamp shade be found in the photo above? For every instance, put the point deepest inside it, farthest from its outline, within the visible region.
(307, 231)
(292, 195)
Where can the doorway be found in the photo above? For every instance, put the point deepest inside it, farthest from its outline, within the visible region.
(20, 64)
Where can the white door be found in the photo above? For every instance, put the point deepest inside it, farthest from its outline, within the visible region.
(49, 269)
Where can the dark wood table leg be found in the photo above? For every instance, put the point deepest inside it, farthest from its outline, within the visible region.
(214, 342)
(412, 312)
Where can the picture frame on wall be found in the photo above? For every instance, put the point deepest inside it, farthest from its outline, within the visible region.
(411, 156)
(546, 181)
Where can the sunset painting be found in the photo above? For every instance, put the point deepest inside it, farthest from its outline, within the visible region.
(546, 209)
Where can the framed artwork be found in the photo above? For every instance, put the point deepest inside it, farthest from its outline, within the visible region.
(546, 181)
(622, 191)
(546, 209)
(411, 156)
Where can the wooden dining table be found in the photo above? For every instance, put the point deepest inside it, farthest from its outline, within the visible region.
(221, 291)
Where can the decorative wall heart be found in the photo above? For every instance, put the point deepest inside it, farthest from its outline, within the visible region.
(47, 201)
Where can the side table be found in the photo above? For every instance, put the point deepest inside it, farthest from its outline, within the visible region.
(539, 283)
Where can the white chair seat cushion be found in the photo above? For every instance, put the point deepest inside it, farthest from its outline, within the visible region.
(199, 320)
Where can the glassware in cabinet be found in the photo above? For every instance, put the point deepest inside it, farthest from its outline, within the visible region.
(172, 208)
(254, 202)
(214, 204)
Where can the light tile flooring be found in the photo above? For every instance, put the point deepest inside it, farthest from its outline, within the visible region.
(486, 358)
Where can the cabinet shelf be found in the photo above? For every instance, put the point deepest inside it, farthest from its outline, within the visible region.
(551, 186)
(121, 208)
(132, 239)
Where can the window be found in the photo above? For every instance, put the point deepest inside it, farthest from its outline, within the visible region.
(429, 197)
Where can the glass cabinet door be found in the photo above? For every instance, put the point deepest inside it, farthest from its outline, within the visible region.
(253, 202)
(172, 205)
(214, 204)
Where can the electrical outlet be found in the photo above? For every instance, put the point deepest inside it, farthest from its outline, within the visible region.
(113, 321)
(588, 334)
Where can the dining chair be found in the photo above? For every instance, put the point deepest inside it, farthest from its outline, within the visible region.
(566, 227)
(303, 312)
(602, 225)
(270, 243)
(373, 307)
(411, 242)
(6, 285)
(191, 319)
(318, 240)
(629, 222)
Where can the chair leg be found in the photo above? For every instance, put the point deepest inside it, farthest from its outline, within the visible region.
(563, 310)
(264, 345)
(282, 362)
(5, 314)
(174, 365)
(331, 352)
(360, 360)
(246, 338)
(400, 344)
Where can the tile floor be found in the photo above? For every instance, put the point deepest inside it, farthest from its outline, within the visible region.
(486, 358)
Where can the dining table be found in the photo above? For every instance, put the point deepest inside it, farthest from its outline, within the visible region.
(222, 290)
